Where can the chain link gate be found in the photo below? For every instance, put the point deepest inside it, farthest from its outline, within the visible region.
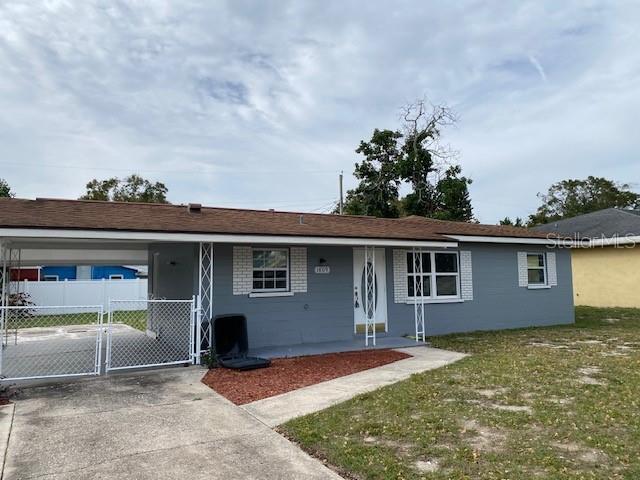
(150, 333)
(52, 341)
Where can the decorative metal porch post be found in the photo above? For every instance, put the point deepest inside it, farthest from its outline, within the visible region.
(12, 289)
(418, 294)
(3, 298)
(370, 300)
(205, 290)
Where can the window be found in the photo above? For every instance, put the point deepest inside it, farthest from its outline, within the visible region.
(414, 279)
(536, 269)
(116, 276)
(440, 275)
(270, 270)
(50, 278)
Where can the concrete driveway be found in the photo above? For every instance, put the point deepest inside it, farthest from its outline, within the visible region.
(154, 425)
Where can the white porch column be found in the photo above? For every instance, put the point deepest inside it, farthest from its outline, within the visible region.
(418, 294)
(4, 272)
(370, 299)
(205, 291)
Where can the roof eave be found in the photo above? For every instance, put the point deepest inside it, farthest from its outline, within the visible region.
(145, 236)
(511, 240)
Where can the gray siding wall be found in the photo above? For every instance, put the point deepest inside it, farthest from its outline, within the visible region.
(324, 313)
(498, 300)
(177, 279)
(177, 270)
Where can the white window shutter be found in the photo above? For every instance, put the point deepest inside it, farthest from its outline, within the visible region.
(298, 269)
(466, 276)
(551, 269)
(400, 286)
(523, 274)
(242, 270)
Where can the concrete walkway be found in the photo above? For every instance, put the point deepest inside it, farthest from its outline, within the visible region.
(154, 425)
(276, 410)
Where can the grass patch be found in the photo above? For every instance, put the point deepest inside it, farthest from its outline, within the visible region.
(134, 318)
(560, 402)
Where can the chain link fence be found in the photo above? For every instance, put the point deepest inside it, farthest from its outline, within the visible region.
(51, 341)
(147, 333)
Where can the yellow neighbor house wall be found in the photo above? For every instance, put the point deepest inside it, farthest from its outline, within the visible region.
(606, 277)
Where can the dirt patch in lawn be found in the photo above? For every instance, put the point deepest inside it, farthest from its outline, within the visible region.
(482, 437)
(287, 374)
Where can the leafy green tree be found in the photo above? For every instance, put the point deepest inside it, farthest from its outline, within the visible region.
(570, 198)
(5, 189)
(377, 192)
(517, 223)
(414, 158)
(454, 202)
(133, 188)
(417, 164)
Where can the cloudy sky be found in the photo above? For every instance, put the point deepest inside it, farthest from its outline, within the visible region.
(261, 104)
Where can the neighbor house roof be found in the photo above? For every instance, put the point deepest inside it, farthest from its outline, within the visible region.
(146, 217)
(610, 222)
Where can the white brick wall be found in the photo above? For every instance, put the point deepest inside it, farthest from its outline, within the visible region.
(298, 269)
(523, 275)
(400, 291)
(466, 276)
(551, 269)
(242, 270)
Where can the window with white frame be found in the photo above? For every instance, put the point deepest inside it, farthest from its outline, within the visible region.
(50, 278)
(270, 270)
(116, 276)
(536, 269)
(440, 277)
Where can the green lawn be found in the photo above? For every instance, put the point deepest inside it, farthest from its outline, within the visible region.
(556, 403)
(134, 318)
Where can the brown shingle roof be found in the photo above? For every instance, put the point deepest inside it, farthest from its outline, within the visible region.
(477, 229)
(93, 215)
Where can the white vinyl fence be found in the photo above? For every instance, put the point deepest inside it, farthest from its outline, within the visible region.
(83, 292)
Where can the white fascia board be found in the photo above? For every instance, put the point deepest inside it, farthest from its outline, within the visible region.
(516, 240)
(133, 236)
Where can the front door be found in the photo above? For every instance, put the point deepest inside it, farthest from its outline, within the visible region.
(360, 293)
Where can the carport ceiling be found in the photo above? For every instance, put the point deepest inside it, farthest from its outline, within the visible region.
(60, 252)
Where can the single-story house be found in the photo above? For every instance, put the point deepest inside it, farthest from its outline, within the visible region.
(606, 260)
(87, 272)
(303, 278)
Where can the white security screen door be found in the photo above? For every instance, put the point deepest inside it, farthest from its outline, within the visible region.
(378, 294)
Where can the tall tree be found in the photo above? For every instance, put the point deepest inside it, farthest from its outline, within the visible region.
(570, 198)
(423, 156)
(416, 158)
(518, 222)
(377, 192)
(5, 189)
(454, 202)
(133, 188)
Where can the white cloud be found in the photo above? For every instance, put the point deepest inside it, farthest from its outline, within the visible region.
(262, 104)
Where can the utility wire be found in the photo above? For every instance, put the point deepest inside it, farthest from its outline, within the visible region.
(194, 172)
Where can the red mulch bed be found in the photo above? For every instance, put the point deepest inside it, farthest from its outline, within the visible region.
(286, 374)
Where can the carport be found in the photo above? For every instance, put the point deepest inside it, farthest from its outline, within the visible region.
(41, 341)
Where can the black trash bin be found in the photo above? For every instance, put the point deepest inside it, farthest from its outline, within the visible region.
(232, 343)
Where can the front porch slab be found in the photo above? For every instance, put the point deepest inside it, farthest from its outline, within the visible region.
(277, 410)
(337, 346)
